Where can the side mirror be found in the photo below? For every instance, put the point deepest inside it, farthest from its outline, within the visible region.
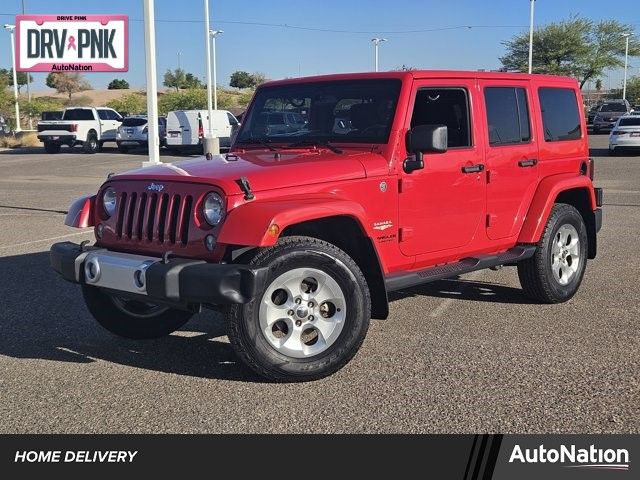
(424, 138)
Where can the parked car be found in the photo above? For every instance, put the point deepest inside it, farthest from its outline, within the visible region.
(133, 132)
(608, 113)
(625, 135)
(592, 113)
(280, 123)
(186, 129)
(86, 126)
(299, 238)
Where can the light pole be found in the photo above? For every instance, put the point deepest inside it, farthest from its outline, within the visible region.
(11, 29)
(376, 43)
(532, 4)
(626, 64)
(179, 55)
(211, 143)
(153, 139)
(214, 34)
(28, 88)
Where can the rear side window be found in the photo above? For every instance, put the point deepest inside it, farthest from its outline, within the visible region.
(78, 114)
(560, 115)
(104, 114)
(507, 115)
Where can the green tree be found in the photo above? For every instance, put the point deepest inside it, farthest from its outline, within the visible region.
(51, 80)
(21, 77)
(132, 103)
(242, 79)
(70, 83)
(633, 91)
(191, 81)
(577, 47)
(598, 85)
(118, 84)
(175, 79)
(39, 105)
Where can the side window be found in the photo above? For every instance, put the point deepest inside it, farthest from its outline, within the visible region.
(114, 115)
(103, 114)
(232, 120)
(507, 115)
(445, 106)
(560, 115)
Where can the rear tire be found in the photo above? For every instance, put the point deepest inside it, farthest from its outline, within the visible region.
(91, 144)
(310, 318)
(132, 319)
(52, 147)
(555, 272)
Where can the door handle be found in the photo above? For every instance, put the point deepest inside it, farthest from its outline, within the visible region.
(473, 168)
(528, 163)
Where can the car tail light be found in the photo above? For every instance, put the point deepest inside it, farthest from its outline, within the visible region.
(200, 130)
(618, 132)
(145, 129)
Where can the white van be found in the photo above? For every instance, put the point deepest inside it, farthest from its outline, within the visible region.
(186, 129)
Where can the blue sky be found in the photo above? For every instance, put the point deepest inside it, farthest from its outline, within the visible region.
(284, 52)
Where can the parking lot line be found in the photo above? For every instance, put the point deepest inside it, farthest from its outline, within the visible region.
(23, 244)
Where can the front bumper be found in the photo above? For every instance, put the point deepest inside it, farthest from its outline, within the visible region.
(178, 281)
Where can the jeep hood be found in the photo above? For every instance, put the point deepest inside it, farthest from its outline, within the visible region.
(264, 170)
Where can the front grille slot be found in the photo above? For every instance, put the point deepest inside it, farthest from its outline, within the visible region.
(154, 218)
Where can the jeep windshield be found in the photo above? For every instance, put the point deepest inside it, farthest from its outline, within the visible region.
(322, 113)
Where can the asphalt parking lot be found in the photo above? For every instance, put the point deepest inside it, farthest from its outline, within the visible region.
(470, 355)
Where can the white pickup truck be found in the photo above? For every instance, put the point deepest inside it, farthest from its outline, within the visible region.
(86, 126)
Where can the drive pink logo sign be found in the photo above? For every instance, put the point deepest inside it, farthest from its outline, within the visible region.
(63, 43)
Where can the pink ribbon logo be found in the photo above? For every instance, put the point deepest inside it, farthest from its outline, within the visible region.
(72, 43)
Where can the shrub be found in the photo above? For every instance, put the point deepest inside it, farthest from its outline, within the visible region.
(132, 103)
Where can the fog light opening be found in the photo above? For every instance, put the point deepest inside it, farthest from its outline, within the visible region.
(210, 242)
(138, 278)
(92, 270)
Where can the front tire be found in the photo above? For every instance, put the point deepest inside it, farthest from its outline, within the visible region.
(131, 318)
(555, 272)
(311, 317)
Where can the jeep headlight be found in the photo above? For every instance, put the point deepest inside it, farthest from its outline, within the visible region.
(109, 201)
(213, 208)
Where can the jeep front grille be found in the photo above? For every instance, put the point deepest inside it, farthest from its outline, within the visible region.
(159, 218)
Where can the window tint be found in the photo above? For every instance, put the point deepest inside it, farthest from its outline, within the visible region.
(507, 115)
(276, 119)
(78, 114)
(444, 106)
(104, 114)
(630, 122)
(559, 114)
(134, 122)
(232, 120)
(613, 107)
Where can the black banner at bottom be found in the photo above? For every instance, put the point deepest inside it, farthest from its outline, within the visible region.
(460, 457)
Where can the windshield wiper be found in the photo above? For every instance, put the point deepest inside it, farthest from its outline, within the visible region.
(261, 141)
(311, 143)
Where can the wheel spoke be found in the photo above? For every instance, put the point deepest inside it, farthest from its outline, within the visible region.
(293, 342)
(325, 327)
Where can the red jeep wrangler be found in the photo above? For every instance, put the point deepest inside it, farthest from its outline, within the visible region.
(339, 189)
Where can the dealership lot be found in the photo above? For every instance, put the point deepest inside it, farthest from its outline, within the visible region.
(455, 356)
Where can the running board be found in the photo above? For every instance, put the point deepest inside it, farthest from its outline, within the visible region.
(466, 265)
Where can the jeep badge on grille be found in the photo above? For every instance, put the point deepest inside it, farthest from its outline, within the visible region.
(155, 187)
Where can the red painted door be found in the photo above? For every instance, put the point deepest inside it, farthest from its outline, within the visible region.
(442, 205)
(511, 155)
